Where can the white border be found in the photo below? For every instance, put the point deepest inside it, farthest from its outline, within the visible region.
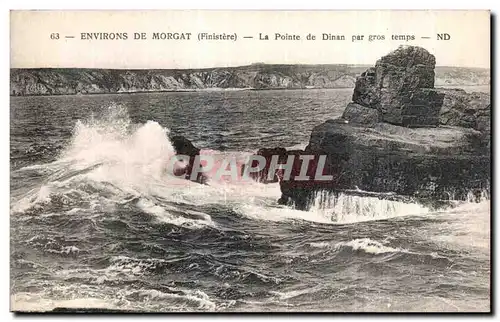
(255, 4)
(187, 4)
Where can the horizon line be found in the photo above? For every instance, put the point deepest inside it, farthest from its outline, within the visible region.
(238, 66)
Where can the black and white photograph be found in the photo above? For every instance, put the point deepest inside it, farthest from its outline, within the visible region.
(218, 165)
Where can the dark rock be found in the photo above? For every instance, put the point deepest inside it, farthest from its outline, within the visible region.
(471, 110)
(366, 92)
(400, 135)
(423, 108)
(263, 175)
(183, 146)
(394, 87)
(435, 163)
(291, 184)
(355, 113)
(409, 56)
(401, 88)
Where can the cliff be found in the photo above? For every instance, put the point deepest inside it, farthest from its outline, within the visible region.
(67, 81)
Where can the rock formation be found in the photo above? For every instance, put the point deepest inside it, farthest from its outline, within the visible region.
(262, 176)
(183, 146)
(470, 110)
(401, 135)
(400, 86)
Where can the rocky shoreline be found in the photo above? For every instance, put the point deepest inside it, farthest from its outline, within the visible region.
(399, 135)
(402, 135)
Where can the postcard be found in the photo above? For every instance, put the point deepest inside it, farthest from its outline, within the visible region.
(250, 161)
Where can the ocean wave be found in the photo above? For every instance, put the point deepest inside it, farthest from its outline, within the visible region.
(158, 211)
(344, 208)
(366, 245)
(291, 294)
(381, 254)
(134, 266)
(110, 161)
(29, 302)
(54, 245)
(180, 300)
(466, 227)
(106, 297)
(120, 270)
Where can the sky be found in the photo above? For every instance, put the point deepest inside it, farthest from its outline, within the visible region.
(44, 38)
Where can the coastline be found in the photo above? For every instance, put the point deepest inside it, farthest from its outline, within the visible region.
(193, 90)
(71, 81)
(218, 89)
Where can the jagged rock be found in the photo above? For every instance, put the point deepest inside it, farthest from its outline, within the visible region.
(395, 88)
(292, 184)
(355, 113)
(437, 147)
(442, 151)
(457, 76)
(183, 146)
(263, 175)
(409, 56)
(433, 163)
(366, 92)
(471, 110)
(401, 88)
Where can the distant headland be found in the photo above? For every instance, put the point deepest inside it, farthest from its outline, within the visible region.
(69, 81)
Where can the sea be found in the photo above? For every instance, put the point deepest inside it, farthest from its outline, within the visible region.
(96, 222)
